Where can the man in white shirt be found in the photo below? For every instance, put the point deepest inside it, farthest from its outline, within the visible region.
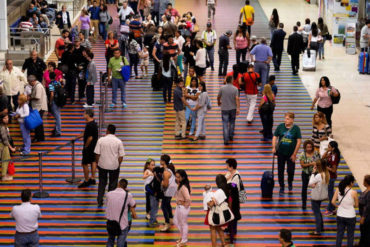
(365, 36)
(109, 155)
(124, 12)
(209, 37)
(26, 217)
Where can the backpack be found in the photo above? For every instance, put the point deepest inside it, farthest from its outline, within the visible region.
(154, 187)
(60, 95)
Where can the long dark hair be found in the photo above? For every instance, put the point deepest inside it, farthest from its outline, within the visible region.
(203, 85)
(167, 159)
(314, 29)
(236, 71)
(347, 180)
(184, 181)
(221, 183)
(336, 150)
(275, 17)
(166, 61)
(327, 81)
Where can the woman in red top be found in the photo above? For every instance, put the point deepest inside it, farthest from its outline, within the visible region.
(52, 67)
(110, 44)
(332, 155)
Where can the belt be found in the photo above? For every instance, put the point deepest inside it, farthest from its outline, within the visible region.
(26, 232)
(259, 61)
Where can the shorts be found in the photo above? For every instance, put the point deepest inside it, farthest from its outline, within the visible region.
(200, 71)
(144, 62)
(88, 156)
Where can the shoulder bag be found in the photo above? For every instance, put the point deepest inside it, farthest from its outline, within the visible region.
(33, 120)
(125, 70)
(113, 227)
(220, 214)
(242, 192)
(335, 99)
(268, 106)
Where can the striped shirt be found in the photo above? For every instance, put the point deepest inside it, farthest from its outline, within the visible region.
(25, 26)
(317, 134)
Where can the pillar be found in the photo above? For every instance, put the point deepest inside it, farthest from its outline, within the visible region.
(3, 26)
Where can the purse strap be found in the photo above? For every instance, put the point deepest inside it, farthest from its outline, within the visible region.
(241, 185)
(123, 208)
(343, 196)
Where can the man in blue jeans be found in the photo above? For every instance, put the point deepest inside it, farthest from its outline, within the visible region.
(228, 99)
(261, 56)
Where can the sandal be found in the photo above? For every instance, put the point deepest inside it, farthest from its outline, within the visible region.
(195, 139)
(315, 234)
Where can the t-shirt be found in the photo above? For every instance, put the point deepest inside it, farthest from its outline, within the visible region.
(159, 50)
(52, 86)
(219, 196)
(123, 13)
(228, 95)
(60, 47)
(135, 27)
(288, 143)
(85, 22)
(25, 26)
(364, 43)
(178, 105)
(116, 65)
(170, 48)
(261, 52)
(251, 80)
(274, 89)
(91, 129)
(247, 12)
(224, 42)
(333, 161)
(192, 92)
(306, 159)
(94, 11)
(236, 81)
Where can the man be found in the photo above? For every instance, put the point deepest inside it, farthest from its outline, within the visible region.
(261, 56)
(13, 82)
(277, 45)
(26, 218)
(62, 20)
(171, 48)
(124, 12)
(61, 44)
(81, 62)
(169, 28)
(116, 200)
(155, 11)
(285, 238)
(69, 62)
(85, 43)
(34, 65)
(109, 155)
(228, 99)
(55, 108)
(289, 136)
(295, 47)
(158, 53)
(179, 104)
(251, 80)
(365, 36)
(94, 17)
(90, 136)
(114, 74)
(209, 37)
(39, 102)
(211, 5)
(247, 12)
(223, 52)
(170, 11)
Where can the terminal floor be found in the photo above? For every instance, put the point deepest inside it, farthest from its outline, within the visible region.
(70, 216)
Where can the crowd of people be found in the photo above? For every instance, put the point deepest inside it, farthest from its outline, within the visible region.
(153, 30)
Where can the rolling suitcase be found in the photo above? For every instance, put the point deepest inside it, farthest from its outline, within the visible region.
(267, 182)
(363, 63)
(309, 60)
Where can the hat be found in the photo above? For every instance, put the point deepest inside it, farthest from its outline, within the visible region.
(209, 24)
(229, 32)
(253, 37)
(77, 40)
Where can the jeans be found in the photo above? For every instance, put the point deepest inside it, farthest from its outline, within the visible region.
(181, 221)
(263, 70)
(228, 122)
(211, 7)
(251, 103)
(122, 85)
(39, 131)
(55, 110)
(318, 216)
(154, 204)
(121, 239)
(167, 88)
(267, 120)
(86, 33)
(201, 129)
(103, 178)
(103, 30)
(305, 180)
(241, 53)
(211, 55)
(331, 194)
(193, 114)
(26, 240)
(365, 233)
(342, 224)
(90, 94)
(167, 209)
(328, 112)
(321, 48)
(223, 56)
(134, 61)
(26, 138)
(179, 62)
(295, 62)
(276, 59)
(147, 202)
(282, 159)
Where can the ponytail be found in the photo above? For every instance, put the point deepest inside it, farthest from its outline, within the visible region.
(347, 180)
(167, 160)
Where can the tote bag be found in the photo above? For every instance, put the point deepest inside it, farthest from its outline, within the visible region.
(220, 214)
(33, 120)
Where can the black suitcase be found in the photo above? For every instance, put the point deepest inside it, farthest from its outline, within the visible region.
(267, 182)
(156, 82)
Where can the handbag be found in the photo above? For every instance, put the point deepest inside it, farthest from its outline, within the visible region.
(328, 37)
(242, 192)
(11, 168)
(335, 99)
(124, 29)
(33, 120)
(220, 214)
(248, 21)
(113, 227)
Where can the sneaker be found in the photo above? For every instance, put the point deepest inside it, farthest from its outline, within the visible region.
(84, 185)
(92, 181)
(166, 228)
(124, 105)
(88, 106)
(191, 133)
(328, 213)
(112, 105)
(7, 178)
(290, 188)
(281, 192)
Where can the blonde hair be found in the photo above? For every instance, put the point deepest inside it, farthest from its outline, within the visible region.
(268, 92)
(321, 166)
(110, 33)
(22, 98)
(321, 115)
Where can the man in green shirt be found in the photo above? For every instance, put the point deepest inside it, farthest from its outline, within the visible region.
(289, 140)
(285, 238)
(114, 74)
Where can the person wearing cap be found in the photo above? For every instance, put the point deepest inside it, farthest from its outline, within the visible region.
(223, 52)
(262, 55)
(247, 12)
(209, 38)
(251, 80)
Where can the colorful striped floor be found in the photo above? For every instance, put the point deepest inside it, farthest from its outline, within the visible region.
(146, 127)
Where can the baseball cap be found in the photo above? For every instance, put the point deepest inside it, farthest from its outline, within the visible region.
(209, 24)
(253, 37)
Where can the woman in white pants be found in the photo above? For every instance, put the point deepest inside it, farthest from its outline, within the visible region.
(183, 206)
(201, 108)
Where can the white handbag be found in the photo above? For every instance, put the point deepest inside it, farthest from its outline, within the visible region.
(220, 214)
(124, 29)
(324, 146)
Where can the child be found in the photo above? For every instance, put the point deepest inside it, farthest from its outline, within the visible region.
(148, 177)
(144, 60)
(207, 196)
(55, 109)
(272, 84)
(5, 147)
(23, 111)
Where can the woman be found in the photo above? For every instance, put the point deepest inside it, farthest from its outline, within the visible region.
(220, 196)
(274, 21)
(104, 18)
(133, 52)
(5, 146)
(200, 60)
(319, 182)
(85, 23)
(266, 111)
(183, 206)
(320, 130)
(166, 77)
(148, 178)
(52, 67)
(346, 213)
(314, 37)
(111, 44)
(332, 156)
(308, 160)
(169, 189)
(201, 110)
(232, 175)
(241, 43)
(179, 40)
(23, 111)
(323, 98)
(158, 34)
(364, 208)
(324, 32)
(234, 205)
(191, 95)
(188, 59)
